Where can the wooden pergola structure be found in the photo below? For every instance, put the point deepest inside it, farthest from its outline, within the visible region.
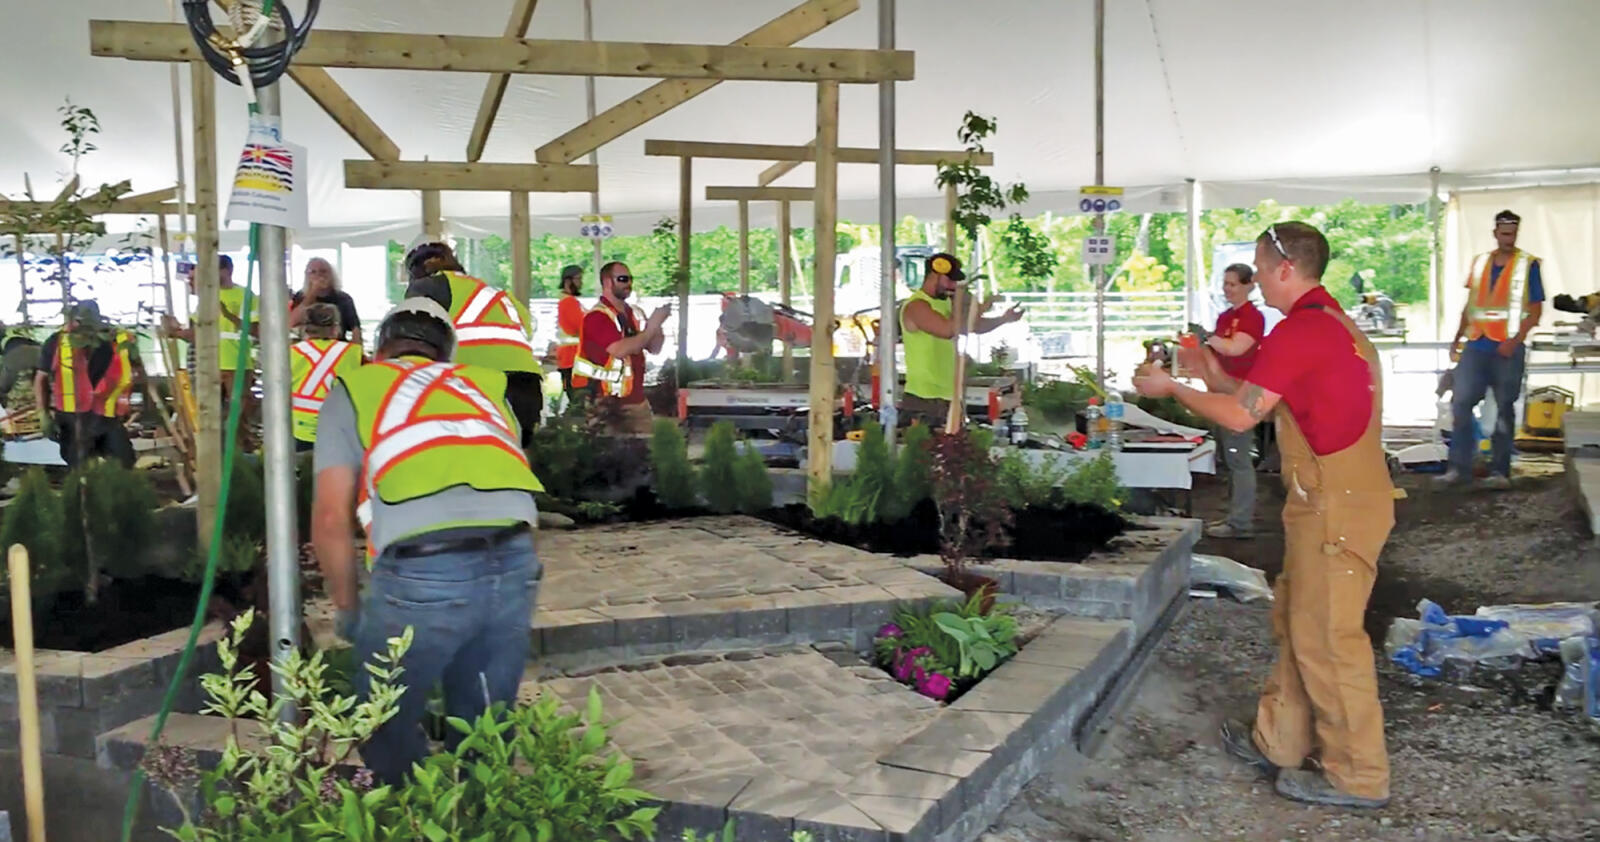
(764, 54)
(823, 380)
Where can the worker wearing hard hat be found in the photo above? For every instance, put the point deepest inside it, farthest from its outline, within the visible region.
(314, 362)
(493, 330)
(569, 323)
(429, 449)
(86, 373)
(928, 329)
(1504, 288)
(1320, 378)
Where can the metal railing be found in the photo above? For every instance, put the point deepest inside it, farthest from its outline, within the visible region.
(1142, 314)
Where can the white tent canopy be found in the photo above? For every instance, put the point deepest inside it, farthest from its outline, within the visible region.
(1301, 101)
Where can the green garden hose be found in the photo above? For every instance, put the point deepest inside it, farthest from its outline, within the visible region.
(130, 811)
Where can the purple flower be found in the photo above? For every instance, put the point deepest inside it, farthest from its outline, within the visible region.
(920, 651)
(934, 685)
(890, 630)
(902, 665)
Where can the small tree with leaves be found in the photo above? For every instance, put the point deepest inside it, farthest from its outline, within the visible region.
(979, 198)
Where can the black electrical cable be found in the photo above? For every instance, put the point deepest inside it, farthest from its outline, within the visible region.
(266, 62)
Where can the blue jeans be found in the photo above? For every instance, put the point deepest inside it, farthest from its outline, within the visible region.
(1483, 370)
(470, 613)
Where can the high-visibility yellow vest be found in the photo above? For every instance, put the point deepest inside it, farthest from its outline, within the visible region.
(1489, 304)
(427, 426)
(313, 364)
(492, 328)
(614, 374)
(930, 360)
(228, 332)
(72, 390)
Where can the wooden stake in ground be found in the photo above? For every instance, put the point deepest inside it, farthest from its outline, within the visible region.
(819, 461)
(207, 350)
(27, 691)
(958, 403)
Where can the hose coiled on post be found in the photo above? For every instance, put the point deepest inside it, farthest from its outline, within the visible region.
(266, 62)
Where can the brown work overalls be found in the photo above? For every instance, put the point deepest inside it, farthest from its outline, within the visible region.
(1323, 691)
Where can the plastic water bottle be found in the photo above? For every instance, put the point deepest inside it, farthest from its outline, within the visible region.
(1092, 414)
(1114, 409)
(1019, 427)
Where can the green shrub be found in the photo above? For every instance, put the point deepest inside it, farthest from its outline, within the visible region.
(669, 461)
(718, 485)
(118, 520)
(1058, 400)
(36, 521)
(1024, 484)
(852, 502)
(238, 554)
(246, 514)
(528, 773)
(1095, 483)
(913, 481)
(556, 452)
(753, 480)
(875, 470)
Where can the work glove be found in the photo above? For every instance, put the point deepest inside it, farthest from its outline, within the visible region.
(47, 425)
(345, 623)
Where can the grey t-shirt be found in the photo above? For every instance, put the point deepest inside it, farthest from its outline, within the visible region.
(339, 445)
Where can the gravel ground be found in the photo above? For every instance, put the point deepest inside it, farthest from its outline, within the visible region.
(1490, 762)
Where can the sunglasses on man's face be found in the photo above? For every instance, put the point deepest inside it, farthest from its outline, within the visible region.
(622, 279)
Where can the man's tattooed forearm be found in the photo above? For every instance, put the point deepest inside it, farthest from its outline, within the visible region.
(1251, 398)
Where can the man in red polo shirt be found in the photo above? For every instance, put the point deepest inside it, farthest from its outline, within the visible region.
(1239, 330)
(1320, 378)
(616, 336)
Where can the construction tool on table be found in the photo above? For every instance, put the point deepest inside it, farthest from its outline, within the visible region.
(1543, 412)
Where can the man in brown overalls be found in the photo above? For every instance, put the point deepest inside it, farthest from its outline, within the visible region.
(1319, 377)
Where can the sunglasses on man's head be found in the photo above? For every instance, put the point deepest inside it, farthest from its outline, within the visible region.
(1272, 231)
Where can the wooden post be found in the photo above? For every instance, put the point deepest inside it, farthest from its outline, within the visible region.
(819, 462)
(166, 260)
(685, 185)
(785, 274)
(27, 691)
(958, 403)
(744, 248)
(950, 219)
(521, 256)
(207, 343)
(22, 276)
(432, 216)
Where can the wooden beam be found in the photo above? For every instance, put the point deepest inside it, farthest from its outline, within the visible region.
(950, 219)
(685, 187)
(775, 172)
(744, 248)
(495, 89)
(784, 283)
(758, 194)
(343, 109)
(819, 450)
(455, 175)
(521, 254)
(141, 41)
(155, 201)
(207, 348)
(432, 216)
(805, 19)
(67, 189)
(797, 154)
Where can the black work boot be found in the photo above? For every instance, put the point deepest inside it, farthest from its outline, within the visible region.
(1239, 740)
(1315, 788)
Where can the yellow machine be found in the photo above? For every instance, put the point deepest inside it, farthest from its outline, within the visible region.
(1542, 414)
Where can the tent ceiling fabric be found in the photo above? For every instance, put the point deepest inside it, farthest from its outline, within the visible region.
(1353, 98)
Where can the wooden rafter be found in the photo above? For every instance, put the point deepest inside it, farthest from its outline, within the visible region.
(759, 194)
(456, 175)
(495, 89)
(774, 152)
(343, 109)
(155, 201)
(778, 170)
(799, 22)
(143, 41)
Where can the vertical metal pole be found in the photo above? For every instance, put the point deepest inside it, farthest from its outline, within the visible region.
(1099, 271)
(594, 154)
(1194, 265)
(1435, 230)
(283, 546)
(685, 186)
(785, 285)
(888, 316)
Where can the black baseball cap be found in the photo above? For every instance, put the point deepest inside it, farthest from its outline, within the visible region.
(1506, 217)
(946, 264)
(571, 270)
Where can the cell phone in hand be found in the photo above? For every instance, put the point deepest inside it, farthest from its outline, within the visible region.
(185, 267)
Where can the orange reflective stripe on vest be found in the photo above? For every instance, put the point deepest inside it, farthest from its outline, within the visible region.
(312, 389)
(472, 330)
(70, 378)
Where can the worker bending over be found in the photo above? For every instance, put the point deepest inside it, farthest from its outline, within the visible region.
(616, 336)
(1499, 283)
(1319, 377)
(492, 329)
(86, 372)
(431, 450)
(929, 332)
(1239, 331)
(314, 362)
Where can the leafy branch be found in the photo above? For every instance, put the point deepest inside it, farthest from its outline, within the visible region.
(979, 198)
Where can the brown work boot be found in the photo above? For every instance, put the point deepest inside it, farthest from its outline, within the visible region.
(1315, 788)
